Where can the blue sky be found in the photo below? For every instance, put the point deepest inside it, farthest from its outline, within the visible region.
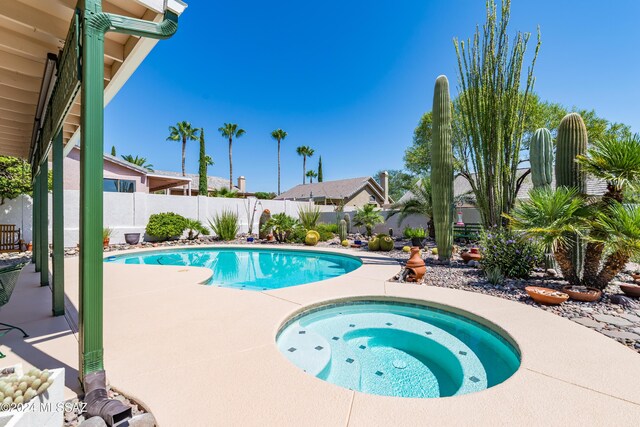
(349, 78)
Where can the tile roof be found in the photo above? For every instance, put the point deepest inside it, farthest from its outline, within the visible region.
(213, 182)
(338, 189)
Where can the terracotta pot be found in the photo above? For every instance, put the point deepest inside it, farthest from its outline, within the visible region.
(105, 242)
(355, 245)
(470, 256)
(590, 295)
(630, 290)
(546, 296)
(475, 251)
(636, 277)
(29, 247)
(415, 265)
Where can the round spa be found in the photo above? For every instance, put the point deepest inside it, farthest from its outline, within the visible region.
(397, 349)
(251, 269)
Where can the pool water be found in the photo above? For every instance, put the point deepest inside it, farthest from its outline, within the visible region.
(251, 269)
(396, 349)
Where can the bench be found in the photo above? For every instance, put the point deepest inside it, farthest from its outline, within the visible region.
(10, 240)
(468, 232)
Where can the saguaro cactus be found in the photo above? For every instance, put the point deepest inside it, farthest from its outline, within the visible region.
(342, 230)
(541, 158)
(442, 168)
(571, 142)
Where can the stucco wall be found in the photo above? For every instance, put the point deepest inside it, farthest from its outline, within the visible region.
(111, 170)
(130, 212)
(362, 198)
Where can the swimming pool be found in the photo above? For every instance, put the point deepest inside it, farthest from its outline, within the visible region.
(397, 349)
(251, 269)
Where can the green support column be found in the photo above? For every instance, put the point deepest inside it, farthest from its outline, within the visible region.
(94, 25)
(35, 224)
(58, 227)
(43, 216)
(91, 187)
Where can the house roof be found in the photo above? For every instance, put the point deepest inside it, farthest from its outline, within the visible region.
(338, 189)
(213, 182)
(595, 187)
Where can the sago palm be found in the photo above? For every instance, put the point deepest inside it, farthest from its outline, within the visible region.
(368, 217)
(553, 217)
(617, 229)
(615, 160)
(304, 151)
(230, 131)
(278, 135)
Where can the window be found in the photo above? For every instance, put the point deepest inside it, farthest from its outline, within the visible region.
(372, 199)
(119, 185)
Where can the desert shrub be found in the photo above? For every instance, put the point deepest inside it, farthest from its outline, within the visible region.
(509, 254)
(410, 233)
(326, 231)
(282, 227)
(194, 228)
(309, 216)
(225, 225)
(263, 195)
(166, 225)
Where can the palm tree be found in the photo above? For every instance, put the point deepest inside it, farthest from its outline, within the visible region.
(183, 131)
(311, 175)
(138, 161)
(304, 151)
(230, 131)
(418, 204)
(553, 217)
(367, 216)
(278, 135)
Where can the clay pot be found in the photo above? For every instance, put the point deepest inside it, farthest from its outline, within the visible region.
(590, 295)
(636, 277)
(546, 296)
(105, 242)
(29, 247)
(415, 265)
(470, 256)
(475, 251)
(630, 290)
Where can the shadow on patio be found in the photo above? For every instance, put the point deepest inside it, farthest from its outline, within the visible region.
(52, 343)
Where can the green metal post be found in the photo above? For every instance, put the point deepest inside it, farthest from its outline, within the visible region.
(35, 224)
(94, 25)
(43, 215)
(58, 227)
(91, 187)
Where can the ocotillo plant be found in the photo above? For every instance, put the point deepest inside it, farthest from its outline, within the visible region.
(442, 168)
(541, 158)
(571, 142)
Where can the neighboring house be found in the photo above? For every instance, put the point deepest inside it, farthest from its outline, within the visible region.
(470, 213)
(213, 183)
(121, 176)
(348, 192)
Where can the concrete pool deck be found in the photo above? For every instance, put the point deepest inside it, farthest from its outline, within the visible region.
(203, 356)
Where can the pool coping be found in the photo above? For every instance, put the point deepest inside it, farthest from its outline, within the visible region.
(223, 351)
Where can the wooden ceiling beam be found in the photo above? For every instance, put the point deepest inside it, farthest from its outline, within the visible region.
(18, 107)
(20, 81)
(28, 67)
(35, 19)
(18, 95)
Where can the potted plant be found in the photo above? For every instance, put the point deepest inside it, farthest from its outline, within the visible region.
(106, 236)
(417, 235)
(132, 238)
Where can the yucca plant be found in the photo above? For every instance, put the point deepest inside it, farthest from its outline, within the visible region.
(309, 216)
(225, 225)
